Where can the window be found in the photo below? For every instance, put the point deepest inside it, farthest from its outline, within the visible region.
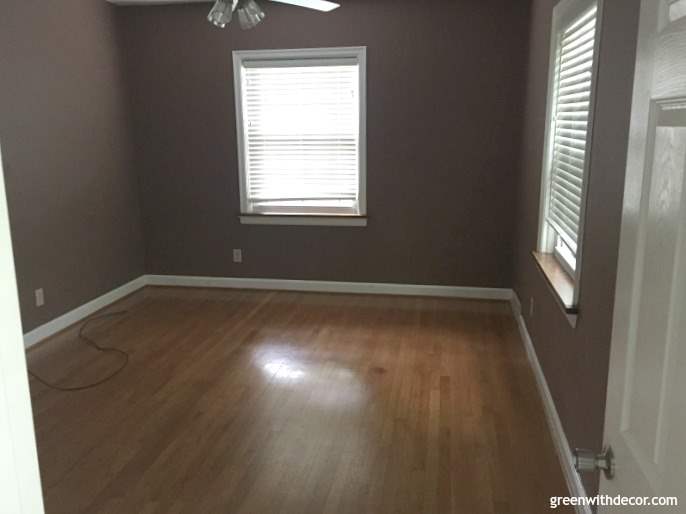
(301, 135)
(569, 126)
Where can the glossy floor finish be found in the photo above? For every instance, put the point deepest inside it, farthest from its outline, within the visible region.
(263, 402)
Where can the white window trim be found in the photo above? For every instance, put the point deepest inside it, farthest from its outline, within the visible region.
(360, 54)
(304, 220)
(565, 12)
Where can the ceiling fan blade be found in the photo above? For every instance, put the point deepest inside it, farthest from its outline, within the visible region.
(319, 5)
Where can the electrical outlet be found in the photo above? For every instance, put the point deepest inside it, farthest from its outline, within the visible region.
(237, 255)
(40, 297)
(532, 306)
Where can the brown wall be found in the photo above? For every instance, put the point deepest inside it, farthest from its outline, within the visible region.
(575, 360)
(67, 154)
(445, 83)
(444, 132)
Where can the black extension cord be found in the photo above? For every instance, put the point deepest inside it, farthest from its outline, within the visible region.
(93, 344)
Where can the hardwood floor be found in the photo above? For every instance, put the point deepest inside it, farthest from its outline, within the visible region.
(265, 402)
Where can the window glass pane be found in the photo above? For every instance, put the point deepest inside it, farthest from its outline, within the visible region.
(301, 135)
(573, 71)
(565, 255)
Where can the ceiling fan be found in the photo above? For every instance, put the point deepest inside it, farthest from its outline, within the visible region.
(250, 13)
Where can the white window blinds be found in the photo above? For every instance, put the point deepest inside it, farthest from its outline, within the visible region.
(301, 136)
(570, 126)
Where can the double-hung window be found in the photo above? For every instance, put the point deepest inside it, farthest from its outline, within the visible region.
(301, 135)
(569, 124)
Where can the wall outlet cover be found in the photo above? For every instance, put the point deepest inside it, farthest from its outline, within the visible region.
(40, 297)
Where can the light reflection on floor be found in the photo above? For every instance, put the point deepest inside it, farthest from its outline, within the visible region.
(283, 370)
(328, 384)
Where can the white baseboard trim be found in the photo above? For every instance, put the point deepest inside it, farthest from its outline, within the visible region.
(564, 452)
(482, 293)
(66, 320)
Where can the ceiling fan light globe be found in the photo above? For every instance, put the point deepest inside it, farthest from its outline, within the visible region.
(250, 14)
(221, 13)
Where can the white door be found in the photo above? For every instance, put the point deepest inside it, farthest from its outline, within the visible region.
(646, 399)
(20, 489)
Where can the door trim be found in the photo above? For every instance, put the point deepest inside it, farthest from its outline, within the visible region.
(20, 484)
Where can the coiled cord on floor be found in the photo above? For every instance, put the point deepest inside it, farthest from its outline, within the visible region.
(93, 344)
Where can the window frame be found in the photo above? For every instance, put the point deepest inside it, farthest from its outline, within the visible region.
(283, 56)
(564, 14)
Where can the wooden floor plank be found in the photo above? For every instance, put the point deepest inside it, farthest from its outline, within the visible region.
(284, 402)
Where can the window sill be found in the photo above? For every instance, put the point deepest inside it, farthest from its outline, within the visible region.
(559, 282)
(304, 220)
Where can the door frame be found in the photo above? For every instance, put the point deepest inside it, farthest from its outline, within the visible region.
(20, 485)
